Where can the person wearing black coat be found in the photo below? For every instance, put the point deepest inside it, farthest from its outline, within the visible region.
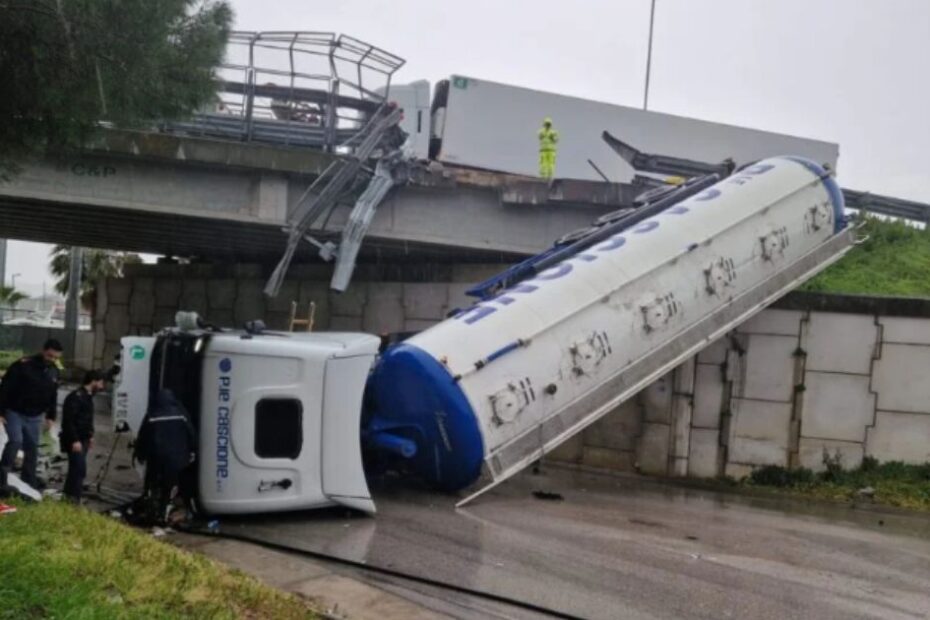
(28, 394)
(77, 432)
(165, 445)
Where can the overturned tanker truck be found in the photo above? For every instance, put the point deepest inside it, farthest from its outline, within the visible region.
(296, 420)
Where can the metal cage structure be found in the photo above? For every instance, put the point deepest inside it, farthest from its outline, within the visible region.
(302, 89)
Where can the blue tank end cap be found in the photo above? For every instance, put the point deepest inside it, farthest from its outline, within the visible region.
(412, 396)
(832, 187)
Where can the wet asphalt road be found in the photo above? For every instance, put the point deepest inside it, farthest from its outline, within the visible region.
(614, 547)
(618, 547)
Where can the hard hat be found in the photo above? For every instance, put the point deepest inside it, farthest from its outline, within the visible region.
(547, 121)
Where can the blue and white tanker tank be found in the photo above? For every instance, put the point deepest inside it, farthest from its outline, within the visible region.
(574, 332)
(553, 344)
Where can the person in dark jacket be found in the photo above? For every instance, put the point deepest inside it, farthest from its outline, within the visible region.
(165, 445)
(77, 432)
(28, 392)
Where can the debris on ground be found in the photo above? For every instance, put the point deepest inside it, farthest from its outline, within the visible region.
(548, 495)
(22, 488)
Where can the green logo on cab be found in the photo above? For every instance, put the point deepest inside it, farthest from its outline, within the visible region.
(137, 352)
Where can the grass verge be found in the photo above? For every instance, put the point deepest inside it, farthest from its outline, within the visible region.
(59, 561)
(892, 484)
(894, 261)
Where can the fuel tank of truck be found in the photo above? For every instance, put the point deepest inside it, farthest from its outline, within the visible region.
(511, 377)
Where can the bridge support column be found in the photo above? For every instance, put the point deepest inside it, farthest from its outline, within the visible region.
(73, 302)
(2, 262)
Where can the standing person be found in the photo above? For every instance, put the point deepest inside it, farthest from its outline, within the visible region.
(29, 392)
(548, 139)
(166, 445)
(77, 432)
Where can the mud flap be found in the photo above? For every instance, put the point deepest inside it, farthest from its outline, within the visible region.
(343, 475)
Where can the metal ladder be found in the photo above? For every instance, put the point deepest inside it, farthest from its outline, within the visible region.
(306, 323)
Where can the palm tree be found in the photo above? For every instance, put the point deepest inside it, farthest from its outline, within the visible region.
(97, 266)
(9, 296)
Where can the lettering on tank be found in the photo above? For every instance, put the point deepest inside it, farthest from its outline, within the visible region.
(505, 298)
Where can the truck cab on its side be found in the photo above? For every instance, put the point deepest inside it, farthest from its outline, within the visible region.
(277, 413)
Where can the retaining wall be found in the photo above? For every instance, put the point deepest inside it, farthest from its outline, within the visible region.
(818, 375)
(380, 299)
(815, 374)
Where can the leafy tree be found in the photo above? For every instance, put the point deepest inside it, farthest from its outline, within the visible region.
(96, 267)
(9, 296)
(67, 65)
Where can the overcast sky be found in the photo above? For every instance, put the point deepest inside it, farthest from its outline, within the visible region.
(853, 72)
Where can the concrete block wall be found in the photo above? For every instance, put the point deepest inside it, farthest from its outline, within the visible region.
(847, 377)
(901, 428)
(378, 300)
(788, 387)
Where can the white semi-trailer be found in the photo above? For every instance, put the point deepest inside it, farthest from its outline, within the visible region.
(483, 124)
(284, 419)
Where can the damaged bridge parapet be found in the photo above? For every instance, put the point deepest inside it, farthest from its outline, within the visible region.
(182, 195)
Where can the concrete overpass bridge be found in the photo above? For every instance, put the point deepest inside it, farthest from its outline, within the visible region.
(228, 201)
(224, 185)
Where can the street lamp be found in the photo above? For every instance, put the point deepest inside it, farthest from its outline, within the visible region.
(652, 19)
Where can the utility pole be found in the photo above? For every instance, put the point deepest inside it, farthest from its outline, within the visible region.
(2, 262)
(73, 302)
(652, 19)
(2, 272)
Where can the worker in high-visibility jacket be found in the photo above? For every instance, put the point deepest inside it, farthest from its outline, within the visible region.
(548, 139)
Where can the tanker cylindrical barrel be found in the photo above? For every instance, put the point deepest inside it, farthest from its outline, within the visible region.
(495, 372)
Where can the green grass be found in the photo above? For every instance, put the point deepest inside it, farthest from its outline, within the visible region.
(894, 483)
(59, 561)
(895, 261)
(7, 358)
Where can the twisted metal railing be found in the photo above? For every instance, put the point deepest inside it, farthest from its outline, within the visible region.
(304, 89)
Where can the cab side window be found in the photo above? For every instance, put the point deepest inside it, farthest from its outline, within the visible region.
(278, 428)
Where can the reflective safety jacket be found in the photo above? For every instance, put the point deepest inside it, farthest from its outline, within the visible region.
(548, 138)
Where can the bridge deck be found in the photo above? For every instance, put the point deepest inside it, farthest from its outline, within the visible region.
(162, 193)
